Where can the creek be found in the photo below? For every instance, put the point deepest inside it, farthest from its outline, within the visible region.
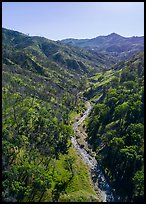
(98, 179)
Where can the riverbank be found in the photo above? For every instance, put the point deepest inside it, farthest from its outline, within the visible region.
(88, 156)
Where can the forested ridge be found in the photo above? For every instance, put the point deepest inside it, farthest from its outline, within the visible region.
(116, 129)
(38, 96)
(118, 47)
(43, 87)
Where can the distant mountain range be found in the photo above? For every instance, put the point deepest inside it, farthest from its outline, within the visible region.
(44, 86)
(113, 44)
(23, 49)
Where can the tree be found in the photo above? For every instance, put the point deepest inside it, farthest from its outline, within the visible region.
(121, 111)
(138, 181)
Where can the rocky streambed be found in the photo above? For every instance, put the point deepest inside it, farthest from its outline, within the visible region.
(98, 178)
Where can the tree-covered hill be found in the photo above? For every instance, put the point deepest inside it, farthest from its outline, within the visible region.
(39, 91)
(44, 83)
(45, 52)
(116, 46)
(116, 127)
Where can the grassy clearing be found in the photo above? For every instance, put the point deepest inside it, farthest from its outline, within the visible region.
(79, 189)
(74, 115)
(102, 78)
(79, 196)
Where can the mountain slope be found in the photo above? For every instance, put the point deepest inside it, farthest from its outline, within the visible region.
(116, 127)
(38, 94)
(42, 85)
(47, 51)
(113, 44)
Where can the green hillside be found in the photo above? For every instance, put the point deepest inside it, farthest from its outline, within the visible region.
(117, 46)
(116, 126)
(38, 96)
(44, 87)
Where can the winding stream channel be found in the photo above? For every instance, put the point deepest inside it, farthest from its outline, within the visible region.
(97, 175)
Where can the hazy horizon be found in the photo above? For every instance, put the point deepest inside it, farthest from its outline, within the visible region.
(72, 38)
(78, 20)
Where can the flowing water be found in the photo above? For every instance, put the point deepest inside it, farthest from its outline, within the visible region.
(97, 175)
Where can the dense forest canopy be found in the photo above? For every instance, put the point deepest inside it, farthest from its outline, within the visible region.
(38, 96)
(117, 124)
(44, 84)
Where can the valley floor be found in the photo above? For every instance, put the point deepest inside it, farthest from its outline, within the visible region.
(98, 180)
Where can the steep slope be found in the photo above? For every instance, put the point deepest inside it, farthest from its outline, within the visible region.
(116, 126)
(50, 71)
(38, 94)
(42, 84)
(117, 46)
(46, 51)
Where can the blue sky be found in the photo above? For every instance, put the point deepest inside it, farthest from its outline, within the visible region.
(60, 20)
